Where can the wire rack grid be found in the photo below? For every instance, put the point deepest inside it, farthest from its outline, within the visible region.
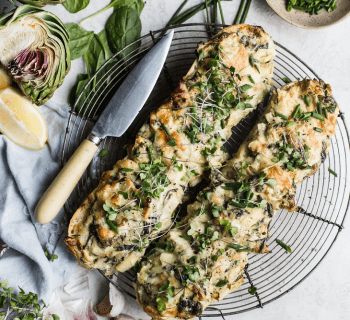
(323, 199)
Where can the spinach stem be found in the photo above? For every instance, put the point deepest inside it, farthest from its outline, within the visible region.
(111, 5)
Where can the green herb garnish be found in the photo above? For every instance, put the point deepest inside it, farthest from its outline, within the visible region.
(332, 172)
(252, 290)
(222, 283)
(284, 246)
(281, 116)
(104, 152)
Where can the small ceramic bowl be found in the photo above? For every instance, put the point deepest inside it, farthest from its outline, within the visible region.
(305, 20)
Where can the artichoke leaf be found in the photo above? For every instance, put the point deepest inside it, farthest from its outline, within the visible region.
(34, 47)
(41, 3)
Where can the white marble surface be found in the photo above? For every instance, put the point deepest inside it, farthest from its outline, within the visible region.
(325, 294)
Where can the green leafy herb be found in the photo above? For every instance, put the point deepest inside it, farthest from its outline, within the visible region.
(311, 6)
(286, 80)
(152, 252)
(127, 169)
(271, 182)
(201, 55)
(246, 87)
(222, 283)
(124, 194)
(122, 28)
(74, 6)
(79, 40)
(22, 306)
(111, 213)
(104, 153)
(252, 290)
(172, 142)
(284, 246)
(332, 172)
(137, 5)
(167, 246)
(137, 266)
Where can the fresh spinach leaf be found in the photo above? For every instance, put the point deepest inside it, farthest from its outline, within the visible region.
(80, 40)
(123, 27)
(74, 6)
(137, 5)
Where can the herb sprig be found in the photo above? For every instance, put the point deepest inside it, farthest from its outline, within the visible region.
(24, 306)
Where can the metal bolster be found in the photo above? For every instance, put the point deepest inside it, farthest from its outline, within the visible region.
(94, 139)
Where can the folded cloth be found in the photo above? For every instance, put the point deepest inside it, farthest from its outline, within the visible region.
(25, 175)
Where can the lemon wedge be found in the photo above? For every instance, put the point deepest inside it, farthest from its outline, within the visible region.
(21, 121)
(5, 80)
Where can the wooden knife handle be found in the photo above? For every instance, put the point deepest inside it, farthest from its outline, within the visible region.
(60, 189)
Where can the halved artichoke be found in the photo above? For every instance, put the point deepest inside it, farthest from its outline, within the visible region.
(34, 47)
(41, 3)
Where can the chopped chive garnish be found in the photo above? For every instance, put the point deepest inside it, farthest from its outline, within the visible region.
(251, 79)
(318, 129)
(165, 128)
(112, 226)
(305, 115)
(330, 108)
(306, 100)
(319, 107)
(332, 172)
(325, 113)
(296, 111)
(284, 246)
(281, 116)
(251, 60)
(238, 247)
(286, 80)
(317, 116)
(290, 123)
(127, 169)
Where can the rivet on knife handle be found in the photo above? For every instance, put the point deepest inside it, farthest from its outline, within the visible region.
(60, 189)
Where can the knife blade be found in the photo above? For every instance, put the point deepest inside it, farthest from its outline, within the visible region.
(114, 121)
(133, 93)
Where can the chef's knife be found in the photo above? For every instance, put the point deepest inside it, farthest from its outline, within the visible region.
(114, 121)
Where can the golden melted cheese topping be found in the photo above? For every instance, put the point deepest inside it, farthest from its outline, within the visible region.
(203, 259)
(136, 200)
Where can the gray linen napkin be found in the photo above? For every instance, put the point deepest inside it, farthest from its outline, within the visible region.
(24, 177)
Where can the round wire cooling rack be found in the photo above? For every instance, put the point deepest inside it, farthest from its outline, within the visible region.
(323, 199)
